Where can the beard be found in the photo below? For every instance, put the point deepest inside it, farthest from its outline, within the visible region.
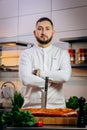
(44, 42)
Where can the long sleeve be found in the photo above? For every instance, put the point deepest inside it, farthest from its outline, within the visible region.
(55, 65)
(25, 72)
(61, 74)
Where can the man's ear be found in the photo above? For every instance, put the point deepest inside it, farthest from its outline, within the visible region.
(53, 32)
(34, 33)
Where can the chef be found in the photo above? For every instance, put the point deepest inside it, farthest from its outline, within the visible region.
(41, 61)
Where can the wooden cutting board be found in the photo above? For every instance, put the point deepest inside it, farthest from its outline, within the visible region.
(58, 120)
(62, 116)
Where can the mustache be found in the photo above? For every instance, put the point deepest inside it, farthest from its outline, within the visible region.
(43, 35)
(42, 41)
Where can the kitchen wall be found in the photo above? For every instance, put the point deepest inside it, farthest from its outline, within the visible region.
(17, 22)
(17, 18)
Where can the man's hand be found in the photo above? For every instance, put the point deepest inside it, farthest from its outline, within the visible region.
(36, 72)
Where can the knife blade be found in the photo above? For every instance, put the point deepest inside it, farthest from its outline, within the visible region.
(46, 89)
(44, 93)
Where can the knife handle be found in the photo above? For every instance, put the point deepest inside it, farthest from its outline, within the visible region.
(46, 84)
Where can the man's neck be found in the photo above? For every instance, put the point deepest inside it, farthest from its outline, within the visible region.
(44, 45)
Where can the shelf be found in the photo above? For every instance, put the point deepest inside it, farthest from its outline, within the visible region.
(79, 66)
(78, 40)
(14, 43)
(4, 68)
(74, 39)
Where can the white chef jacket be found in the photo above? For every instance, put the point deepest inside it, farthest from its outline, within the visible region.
(54, 63)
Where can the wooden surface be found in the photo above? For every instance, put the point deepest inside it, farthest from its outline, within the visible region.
(58, 120)
(59, 116)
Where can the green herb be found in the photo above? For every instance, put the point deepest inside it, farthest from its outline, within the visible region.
(72, 102)
(18, 99)
(17, 117)
(21, 118)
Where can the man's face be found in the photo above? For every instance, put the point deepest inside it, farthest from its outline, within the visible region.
(44, 32)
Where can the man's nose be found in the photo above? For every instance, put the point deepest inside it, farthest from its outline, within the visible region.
(43, 31)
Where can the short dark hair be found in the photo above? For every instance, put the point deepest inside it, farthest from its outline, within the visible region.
(44, 19)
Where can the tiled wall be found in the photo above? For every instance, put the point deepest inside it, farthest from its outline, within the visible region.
(17, 22)
(17, 18)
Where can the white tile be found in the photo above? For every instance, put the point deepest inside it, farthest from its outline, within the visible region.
(70, 20)
(8, 27)
(65, 34)
(34, 6)
(64, 4)
(7, 39)
(76, 86)
(8, 8)
(27, 39)
(62, 45)
(27, 23)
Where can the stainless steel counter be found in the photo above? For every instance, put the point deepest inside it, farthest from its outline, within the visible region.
(47, 127)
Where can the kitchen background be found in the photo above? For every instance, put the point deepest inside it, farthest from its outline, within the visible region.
(17, 22)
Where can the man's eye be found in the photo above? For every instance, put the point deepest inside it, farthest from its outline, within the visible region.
(39, 29)
(47, 28)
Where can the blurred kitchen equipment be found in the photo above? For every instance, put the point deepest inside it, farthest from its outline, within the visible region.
(72, 53)
(8, 89)
(7, 93)
(14, 43)
(8, 68)
(82, 55)
(81, 116)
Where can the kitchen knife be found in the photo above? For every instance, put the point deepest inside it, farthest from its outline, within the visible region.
(44, 94)
(46, 89)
